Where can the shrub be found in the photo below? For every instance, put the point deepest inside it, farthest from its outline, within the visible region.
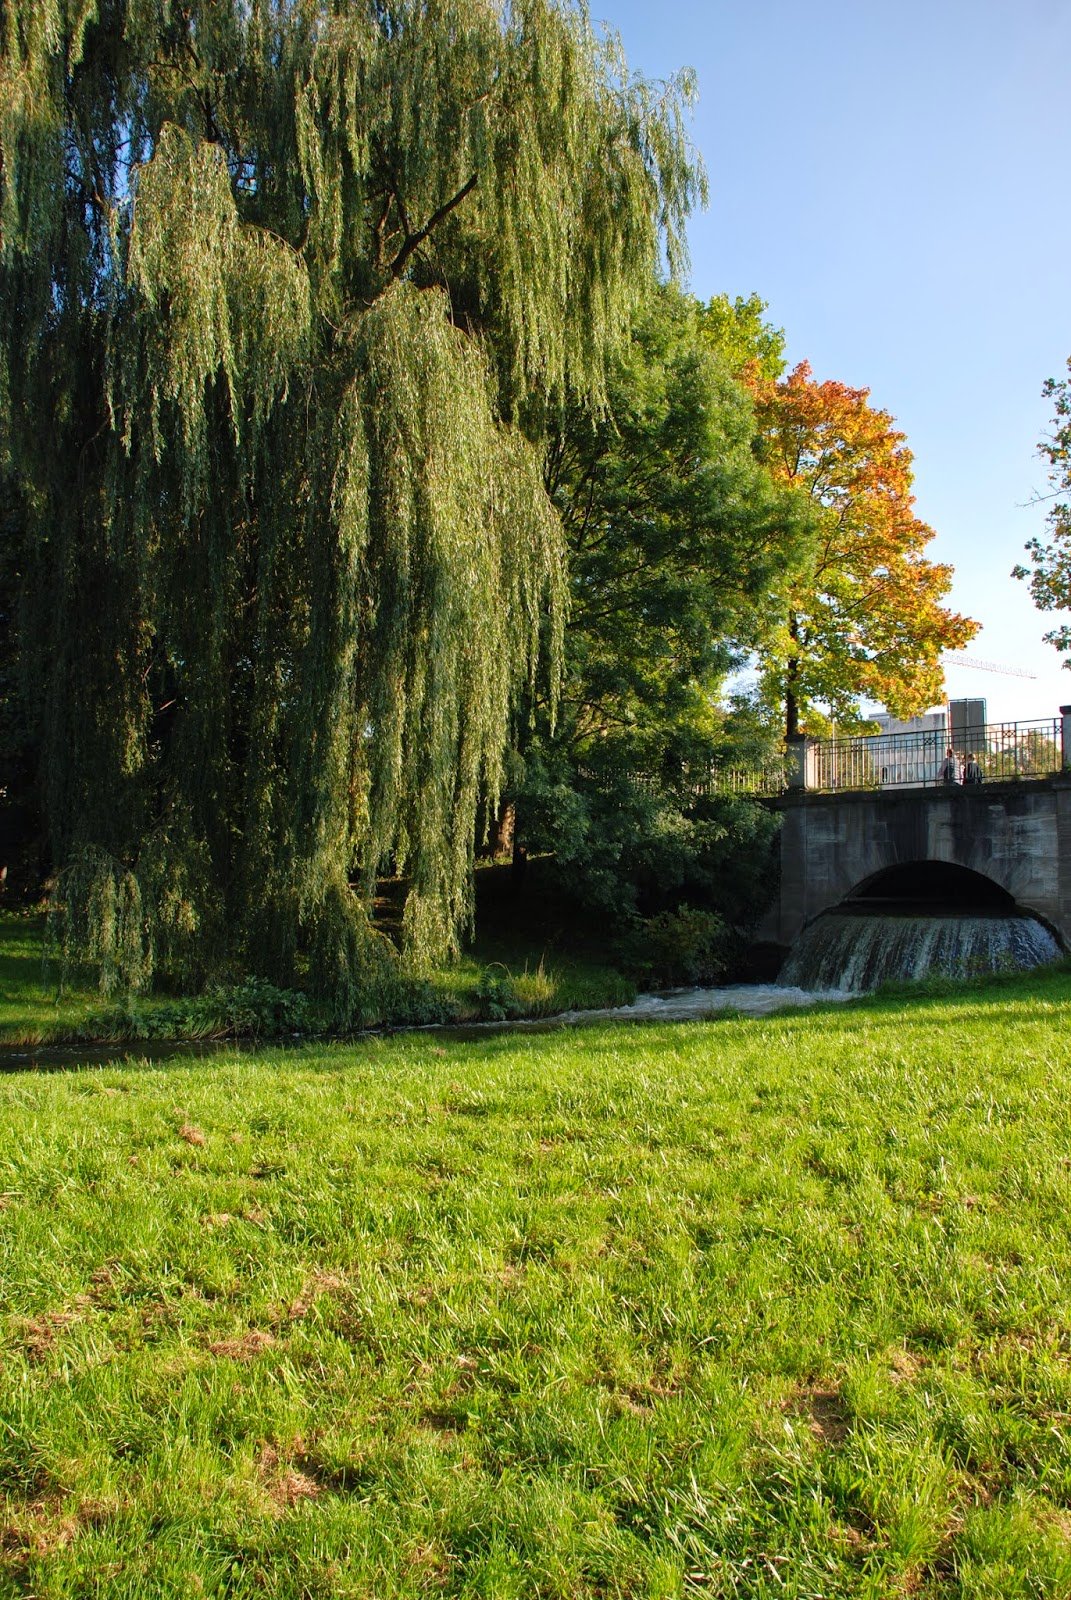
(682, 946)
(496, 992)
(255, 1008)
(626, 846)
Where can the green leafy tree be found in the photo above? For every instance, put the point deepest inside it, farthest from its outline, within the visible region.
(676, 535)
(677, 538)
(18, 829)
(738, 330)
(1050, 575)
(282, 283)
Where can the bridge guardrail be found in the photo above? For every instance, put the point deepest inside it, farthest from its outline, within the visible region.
(1004, 751)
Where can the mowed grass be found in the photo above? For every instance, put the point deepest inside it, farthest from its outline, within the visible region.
(763, 1308)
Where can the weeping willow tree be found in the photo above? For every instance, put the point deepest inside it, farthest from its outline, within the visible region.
(285, 288)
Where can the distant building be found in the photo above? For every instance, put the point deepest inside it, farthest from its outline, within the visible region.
(967, 721)
(935, 721)
(907, 753)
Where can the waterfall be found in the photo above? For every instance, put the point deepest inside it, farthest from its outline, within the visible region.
(856, 949)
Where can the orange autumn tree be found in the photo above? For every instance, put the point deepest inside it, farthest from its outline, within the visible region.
(864, 618)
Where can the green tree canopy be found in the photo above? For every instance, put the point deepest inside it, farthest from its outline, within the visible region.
(679, 540)
(281, 281)
(1050, 575)
(679, 546)
(737, 329)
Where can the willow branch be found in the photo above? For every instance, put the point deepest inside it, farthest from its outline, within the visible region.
(415, 240)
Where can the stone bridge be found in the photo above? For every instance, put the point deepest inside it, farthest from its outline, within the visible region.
(996, 845)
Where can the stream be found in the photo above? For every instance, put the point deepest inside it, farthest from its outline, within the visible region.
(671, 1005)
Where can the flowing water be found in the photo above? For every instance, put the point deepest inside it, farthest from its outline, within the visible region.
(683, 1005)
(857, 950)
(673, 1005)
(841, 955)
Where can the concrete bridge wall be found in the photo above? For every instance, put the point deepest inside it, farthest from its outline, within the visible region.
(1017, 834)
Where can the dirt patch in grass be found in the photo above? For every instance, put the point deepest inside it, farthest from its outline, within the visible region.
(39, 1531)
(38, 1335)
(1058, 1522)
(244, 1347)
(642, 1399)
(905, 1364)
(286, 1485)
(441, 1420)
(48, 1523)
(319, 1283)
(825, 1412)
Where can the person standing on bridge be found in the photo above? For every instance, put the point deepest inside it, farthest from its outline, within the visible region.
(972, 772)
(949, 771)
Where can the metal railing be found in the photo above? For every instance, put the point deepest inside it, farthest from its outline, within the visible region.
(771, 779)
(1002, 750)
(875, 762)
(697, 780)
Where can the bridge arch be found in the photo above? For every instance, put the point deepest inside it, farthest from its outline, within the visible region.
(930, 884)
(1007, 846)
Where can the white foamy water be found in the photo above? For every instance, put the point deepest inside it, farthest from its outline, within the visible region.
(846, 949)
(688, 1005)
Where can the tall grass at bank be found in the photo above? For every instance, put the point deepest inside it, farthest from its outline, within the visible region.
(767, 1308)
(41, 1002)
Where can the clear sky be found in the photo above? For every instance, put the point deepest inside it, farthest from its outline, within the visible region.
(891, 179)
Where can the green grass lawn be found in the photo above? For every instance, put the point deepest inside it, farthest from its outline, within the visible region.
(776, 1308)
(32, 1008)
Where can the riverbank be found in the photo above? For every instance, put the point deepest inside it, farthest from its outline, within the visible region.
(41, 1003)
(46, 1027)
(754, 1307)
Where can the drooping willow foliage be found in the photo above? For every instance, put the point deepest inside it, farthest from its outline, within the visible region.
(285, 288)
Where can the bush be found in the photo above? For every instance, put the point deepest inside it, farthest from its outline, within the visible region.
(256, 1009)
(496, 992)
(627, 846)
(682, 946)
(249, 1009)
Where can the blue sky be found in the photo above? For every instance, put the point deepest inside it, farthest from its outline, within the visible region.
(891, 180)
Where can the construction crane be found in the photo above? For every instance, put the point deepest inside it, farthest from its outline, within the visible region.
(957, 658)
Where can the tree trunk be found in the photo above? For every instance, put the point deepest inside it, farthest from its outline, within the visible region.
(792, 715)
(504, 829)
(520, 862)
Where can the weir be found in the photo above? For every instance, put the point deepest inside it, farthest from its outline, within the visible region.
(849, 950)
(895, 883)
(914, 919)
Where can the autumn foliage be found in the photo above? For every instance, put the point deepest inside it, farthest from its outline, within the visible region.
(864, 618)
